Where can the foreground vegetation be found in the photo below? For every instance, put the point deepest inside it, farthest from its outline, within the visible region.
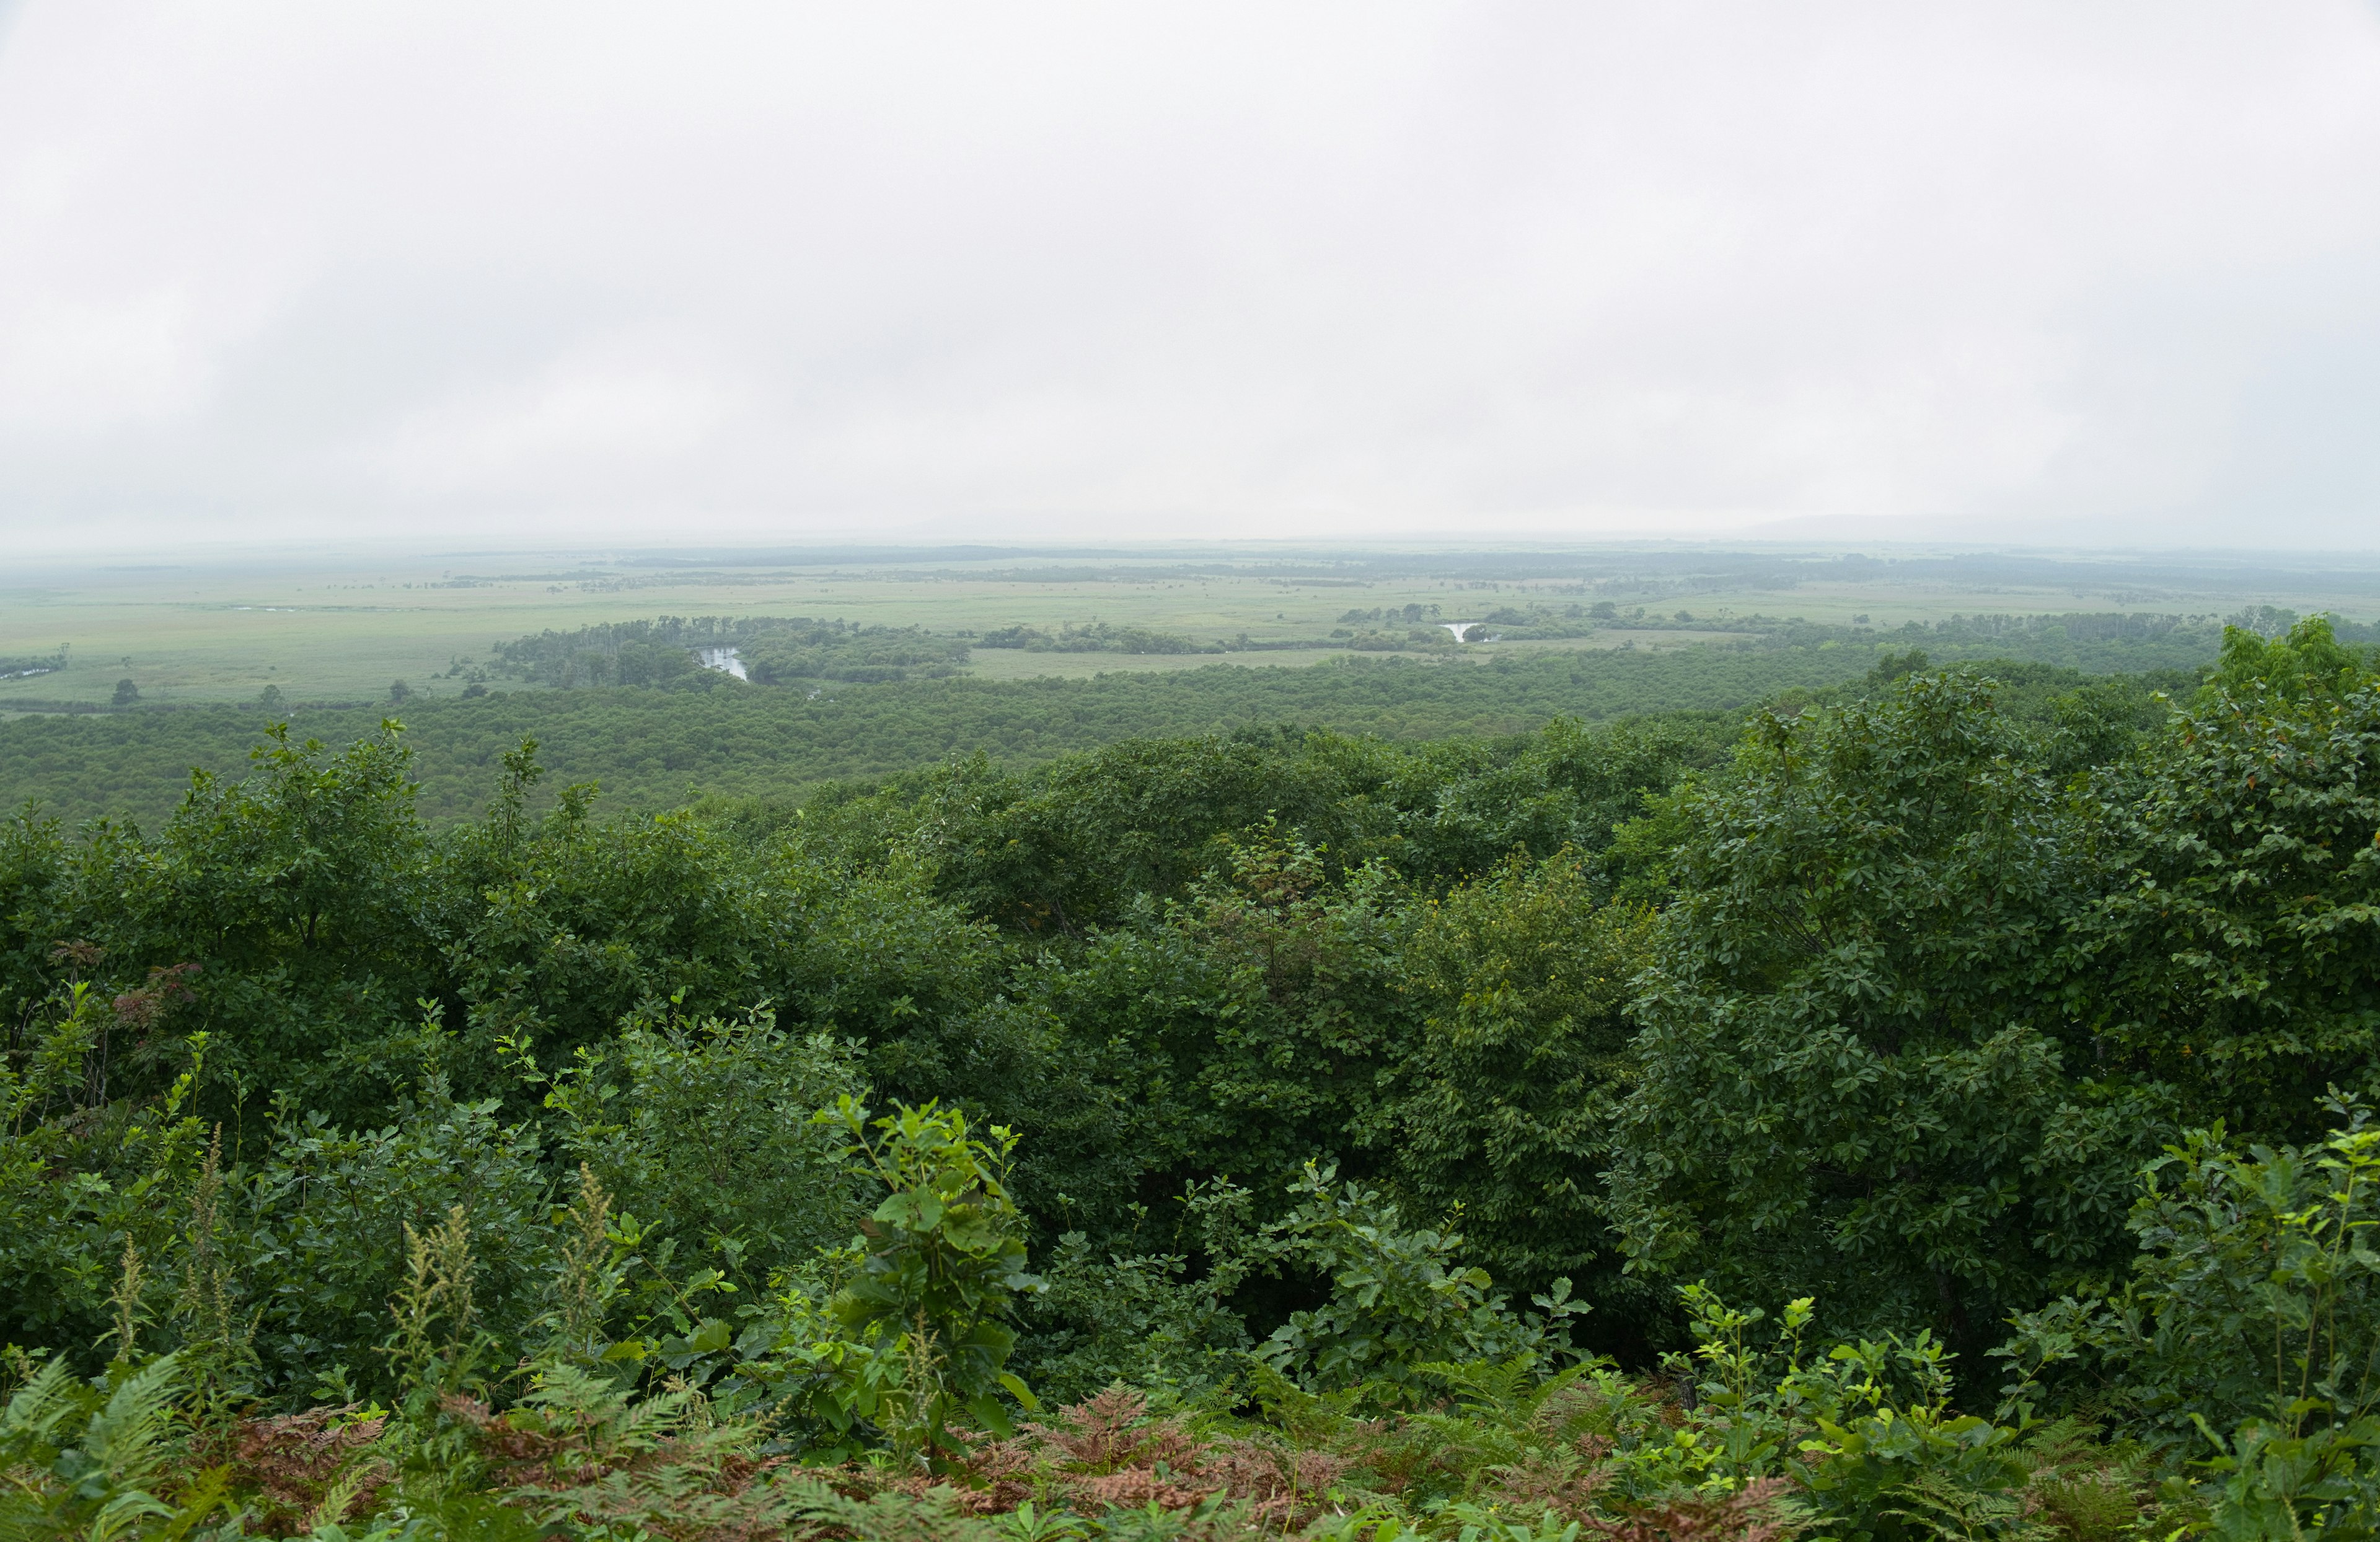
(1940, 1111)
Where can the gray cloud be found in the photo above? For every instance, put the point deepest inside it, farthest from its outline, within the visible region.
(1211, 270)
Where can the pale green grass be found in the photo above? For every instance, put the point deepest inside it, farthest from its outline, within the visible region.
(202, 635)
(326, 630)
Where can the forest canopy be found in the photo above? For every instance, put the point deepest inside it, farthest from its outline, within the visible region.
(1935, 1104)
(652, 747)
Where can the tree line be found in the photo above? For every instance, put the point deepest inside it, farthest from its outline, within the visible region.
(649, 748)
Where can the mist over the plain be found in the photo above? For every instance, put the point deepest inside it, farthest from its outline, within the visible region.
(718, 273)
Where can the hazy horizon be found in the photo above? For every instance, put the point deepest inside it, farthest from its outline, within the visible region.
(1041, 275)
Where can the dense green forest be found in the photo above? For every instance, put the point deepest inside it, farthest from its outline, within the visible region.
(1937, 1105)
(689, 731)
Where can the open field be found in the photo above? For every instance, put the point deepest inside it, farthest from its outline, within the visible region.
(215, 629)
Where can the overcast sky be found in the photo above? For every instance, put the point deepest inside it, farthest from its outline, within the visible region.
(519, 271)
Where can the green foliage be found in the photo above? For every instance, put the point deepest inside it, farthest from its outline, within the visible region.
(2308, 661)
(299, 893)
(2276, 1483)
(1244, 1029)
(563, 929)
(1464, 809)
(860, 655)
(2255, 1298)
(1139, 1319)
(2280, 1239)
(2237, 943)
(1400, 1300)
(31, 663)
(941, 1261)
(1073, 848)
(708, 1130)
(1099, 636)
(97, 1460)
(332, 1225)
(549, 1131)
(1853, 1065)
(82, 1180)
(649, 748)
(775, 650)
(1505, 1099)
(1865, 1434)
(919, 1334)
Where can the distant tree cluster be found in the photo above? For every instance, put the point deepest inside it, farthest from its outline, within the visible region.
(1099, 636)
(1409, 615)
(773, 649)
(23, 665)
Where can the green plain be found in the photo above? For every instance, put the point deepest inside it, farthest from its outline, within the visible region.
(222, 628)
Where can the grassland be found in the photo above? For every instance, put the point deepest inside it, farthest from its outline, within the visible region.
(221, 630)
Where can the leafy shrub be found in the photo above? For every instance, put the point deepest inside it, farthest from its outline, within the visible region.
(1504, 1101)
(707, 1133)
(328, 1223)
(919, 1333)
(1135, 1319)
(1858, 1069)
(1399, 1298)
(2256, 1295)
(2235, 948)
(85, 1185)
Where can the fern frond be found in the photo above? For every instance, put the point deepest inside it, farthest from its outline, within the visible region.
(647, 1422)
(123, 1513)
(126, 1439)
(339, 1495)
(211, 1489)
(38, 1414)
